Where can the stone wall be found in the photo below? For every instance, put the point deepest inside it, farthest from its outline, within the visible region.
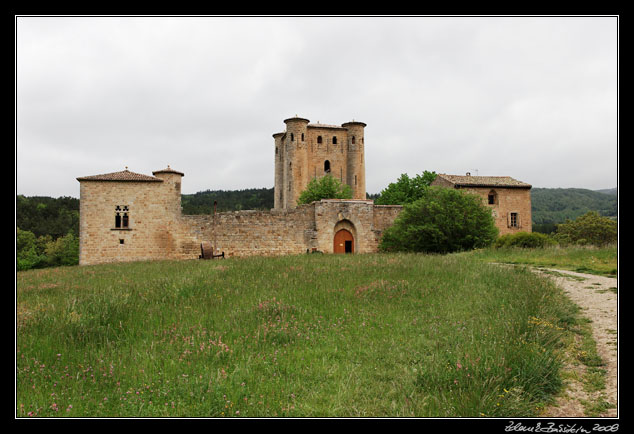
(509, 200)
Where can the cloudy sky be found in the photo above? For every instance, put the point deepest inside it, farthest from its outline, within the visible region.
(534, 98)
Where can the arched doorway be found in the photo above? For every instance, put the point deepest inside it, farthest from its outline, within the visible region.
(344, 242)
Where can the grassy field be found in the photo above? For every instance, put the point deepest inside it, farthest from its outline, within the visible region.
(602, 261)
(309, 335)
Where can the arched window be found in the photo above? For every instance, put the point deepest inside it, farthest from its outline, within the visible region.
(327, 166)
(334, 140)
(318, 139)
(121, 218)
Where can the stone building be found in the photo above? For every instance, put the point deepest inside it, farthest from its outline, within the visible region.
(508, 198)
(126, 216)
(306, 151)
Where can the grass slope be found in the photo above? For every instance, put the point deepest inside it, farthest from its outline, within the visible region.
(311, 335)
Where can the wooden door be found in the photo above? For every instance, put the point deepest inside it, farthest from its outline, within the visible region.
(344, 242)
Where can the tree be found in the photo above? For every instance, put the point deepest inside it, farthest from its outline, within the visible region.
(27, 255)
(442, 220)
(589, 228)
(405, 189)
(326, 187)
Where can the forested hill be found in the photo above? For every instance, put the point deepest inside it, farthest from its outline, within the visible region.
(227, 200)
(56, 217)
(555, 205)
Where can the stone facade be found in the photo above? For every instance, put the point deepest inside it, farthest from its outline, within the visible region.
(306, 151)
(508, 198)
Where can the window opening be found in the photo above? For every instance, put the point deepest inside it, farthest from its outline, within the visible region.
(514, 220)
(353, 140)
(334, 140)
(319, 140)
(492, 197)
(327, 166)
(121, 218)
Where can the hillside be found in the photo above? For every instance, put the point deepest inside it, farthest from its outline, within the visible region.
(555, 205)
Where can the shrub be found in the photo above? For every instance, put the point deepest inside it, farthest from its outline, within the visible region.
(443, 220)
(589, 228)
(326, 187)
(524, 240)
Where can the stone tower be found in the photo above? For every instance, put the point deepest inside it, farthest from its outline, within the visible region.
(306, 151)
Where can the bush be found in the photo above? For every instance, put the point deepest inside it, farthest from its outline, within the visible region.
(524, 240)
(326, 187)
(27, 254)
(589, 228)
(443, 220)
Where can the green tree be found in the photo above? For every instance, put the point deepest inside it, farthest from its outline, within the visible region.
(443, 220)
(589, 228)
(405, 189)
(326, 187)
(27, 255)
(63, 251)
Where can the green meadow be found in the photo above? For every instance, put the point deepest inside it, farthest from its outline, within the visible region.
(377, 335)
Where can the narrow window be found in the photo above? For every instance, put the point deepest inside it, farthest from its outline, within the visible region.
(292, 137)
(353, 140)
(318, 139)
(125, 221)
(302, 137)
(117, 220)
(334, 140)
(355, 179)
(327, 166)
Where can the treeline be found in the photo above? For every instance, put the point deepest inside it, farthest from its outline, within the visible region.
(47, 231)
(556, 205)
(227, 200)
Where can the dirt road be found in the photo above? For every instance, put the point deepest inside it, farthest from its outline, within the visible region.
(597, 298)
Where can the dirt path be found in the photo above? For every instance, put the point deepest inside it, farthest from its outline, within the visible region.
(597, 298)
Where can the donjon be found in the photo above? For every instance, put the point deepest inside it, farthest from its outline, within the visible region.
(127, 216)
(307, 151)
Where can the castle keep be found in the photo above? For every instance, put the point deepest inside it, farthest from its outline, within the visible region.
(126, 216)
(306, 151)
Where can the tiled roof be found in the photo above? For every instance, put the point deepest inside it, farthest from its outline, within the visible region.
(168, 170)
(484, 181)
(124, 175)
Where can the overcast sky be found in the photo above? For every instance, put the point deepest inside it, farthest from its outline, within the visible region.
(534, 98)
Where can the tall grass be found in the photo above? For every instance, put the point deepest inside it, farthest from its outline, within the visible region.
(601, 261)
(312, 335)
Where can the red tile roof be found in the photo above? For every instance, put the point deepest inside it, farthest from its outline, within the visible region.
(124, 175)
(483, 181)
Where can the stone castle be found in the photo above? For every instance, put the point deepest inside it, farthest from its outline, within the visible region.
(126, 216)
